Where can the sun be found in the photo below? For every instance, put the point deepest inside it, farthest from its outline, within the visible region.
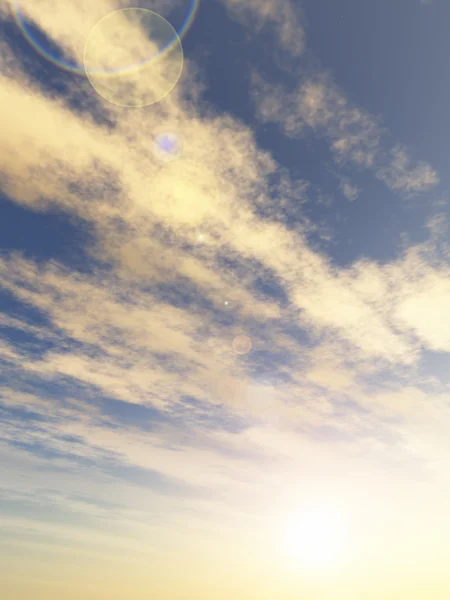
(316, 537)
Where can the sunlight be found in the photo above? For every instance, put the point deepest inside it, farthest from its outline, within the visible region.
(316, 537)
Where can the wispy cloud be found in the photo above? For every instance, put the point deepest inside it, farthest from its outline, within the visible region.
(353, 134)
(125, 409)
(285, 17)
(399, 176)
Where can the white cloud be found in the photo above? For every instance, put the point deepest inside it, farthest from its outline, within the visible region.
(400, 176)
(136, 331)
(354, 135)
(423, 308)
(349, 190)
(283, 15)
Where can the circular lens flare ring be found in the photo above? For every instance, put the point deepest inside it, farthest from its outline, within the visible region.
(131, 68)
(110, 44)
(242, 344)
(66, 65)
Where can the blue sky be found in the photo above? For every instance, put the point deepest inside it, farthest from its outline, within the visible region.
(197, 345)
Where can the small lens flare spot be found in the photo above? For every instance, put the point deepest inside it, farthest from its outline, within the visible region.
(167, 146)
(242, 344)
(200, 237)
(226, 302)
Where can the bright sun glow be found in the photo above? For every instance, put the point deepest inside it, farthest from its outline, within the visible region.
(316, 537)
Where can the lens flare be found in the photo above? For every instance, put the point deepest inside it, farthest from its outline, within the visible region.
(67, 65)
(167, 146)
(125, 58)
(242, 344)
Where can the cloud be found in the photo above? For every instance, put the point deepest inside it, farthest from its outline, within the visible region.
(423, 309)
(183, 257)
(399, 176)
(353, 135)
(437, 225)
(349, 190)
(284, 16)
(318, 104)
(181, 201)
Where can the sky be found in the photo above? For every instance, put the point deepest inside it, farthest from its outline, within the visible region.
(224, 292)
